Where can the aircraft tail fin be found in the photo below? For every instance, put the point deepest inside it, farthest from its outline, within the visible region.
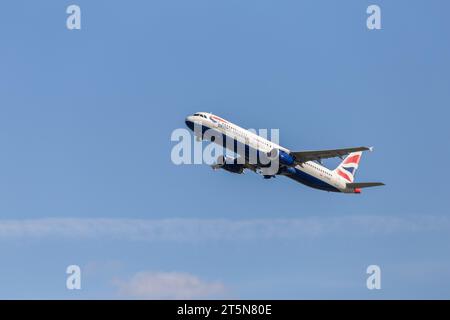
(347, 168)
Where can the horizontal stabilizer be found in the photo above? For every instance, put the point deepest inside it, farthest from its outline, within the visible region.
(364, 184)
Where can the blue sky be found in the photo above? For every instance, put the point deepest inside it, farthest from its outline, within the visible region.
(86, 176)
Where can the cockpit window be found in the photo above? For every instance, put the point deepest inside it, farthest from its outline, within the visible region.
(196, 114)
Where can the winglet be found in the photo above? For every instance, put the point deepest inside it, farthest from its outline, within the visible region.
(370, 149)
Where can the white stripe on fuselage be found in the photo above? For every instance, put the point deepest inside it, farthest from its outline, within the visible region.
(259, 143)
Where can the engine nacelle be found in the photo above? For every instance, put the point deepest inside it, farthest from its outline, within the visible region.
(284, 158)
(228, 164)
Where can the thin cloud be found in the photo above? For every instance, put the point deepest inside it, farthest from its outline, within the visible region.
(218, 229)
(169, 285)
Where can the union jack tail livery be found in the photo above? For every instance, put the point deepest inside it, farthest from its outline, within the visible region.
(347, 169)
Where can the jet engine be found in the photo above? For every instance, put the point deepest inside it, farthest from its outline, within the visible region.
(228, 164)
(283, 157)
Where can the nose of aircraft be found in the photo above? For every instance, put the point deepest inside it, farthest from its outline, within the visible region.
(190, 122)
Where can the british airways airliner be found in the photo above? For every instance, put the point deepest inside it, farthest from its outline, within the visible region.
(302, 166)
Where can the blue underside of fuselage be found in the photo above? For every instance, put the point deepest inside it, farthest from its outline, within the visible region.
(290, 172)
(307, 179)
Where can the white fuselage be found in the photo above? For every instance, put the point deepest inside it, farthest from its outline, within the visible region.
(310, 173)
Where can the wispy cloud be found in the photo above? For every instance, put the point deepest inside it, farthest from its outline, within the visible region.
(169, 285)
(219, 229)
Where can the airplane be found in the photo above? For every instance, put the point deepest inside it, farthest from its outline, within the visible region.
(302, 166)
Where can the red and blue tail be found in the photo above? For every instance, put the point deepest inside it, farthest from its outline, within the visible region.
(347, 169)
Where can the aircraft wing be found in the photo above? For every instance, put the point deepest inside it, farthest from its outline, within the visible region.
(304, 156)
